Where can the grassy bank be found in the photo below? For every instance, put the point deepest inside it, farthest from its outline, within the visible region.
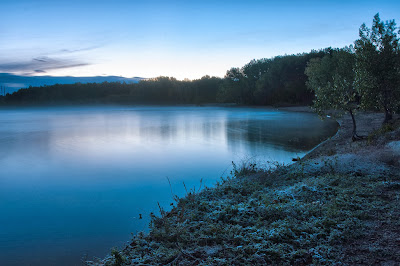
(338, 205)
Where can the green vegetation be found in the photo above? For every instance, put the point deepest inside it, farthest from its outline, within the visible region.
(277, 81)
(118, 258)
(366, 77)
(378, 67)
(247, 167)
(376, 135)
(280, 80)
(161, 90)
(332, 80)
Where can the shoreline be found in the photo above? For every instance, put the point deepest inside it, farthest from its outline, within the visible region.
(338, 204)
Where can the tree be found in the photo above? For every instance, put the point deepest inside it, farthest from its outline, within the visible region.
(332, 78)
(232, 90)
(378, 66)
(283, 81)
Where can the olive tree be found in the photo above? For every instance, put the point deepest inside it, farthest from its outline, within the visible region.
(377, 71)
(332, 80)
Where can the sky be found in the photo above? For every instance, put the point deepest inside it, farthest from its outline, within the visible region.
(183, 39)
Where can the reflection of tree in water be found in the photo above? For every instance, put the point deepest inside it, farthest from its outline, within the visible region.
(178, 127)
(292, 135)
(32, 143)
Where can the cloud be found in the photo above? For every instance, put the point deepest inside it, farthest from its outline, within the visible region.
(40, 59)
(41, 64)
(69, 51)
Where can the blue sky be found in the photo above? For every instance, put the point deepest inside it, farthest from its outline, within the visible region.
(184, 39)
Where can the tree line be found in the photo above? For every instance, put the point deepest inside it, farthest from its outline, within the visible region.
(160, 90)
(275, 81)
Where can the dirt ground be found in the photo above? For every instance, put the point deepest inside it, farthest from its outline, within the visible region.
(378, 154)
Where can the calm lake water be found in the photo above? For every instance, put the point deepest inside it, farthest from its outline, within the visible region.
(73, 181)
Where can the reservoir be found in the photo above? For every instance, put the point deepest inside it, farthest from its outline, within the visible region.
(77, 181)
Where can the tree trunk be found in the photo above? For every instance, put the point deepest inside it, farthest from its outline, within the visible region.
(354, 136)
(388, 115)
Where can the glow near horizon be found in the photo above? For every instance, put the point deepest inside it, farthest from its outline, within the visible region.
(184, 39)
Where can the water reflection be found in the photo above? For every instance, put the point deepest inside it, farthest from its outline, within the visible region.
(74, 180)
(293, 133)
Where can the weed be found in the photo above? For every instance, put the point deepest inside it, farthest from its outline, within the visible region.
(245, 168)
(374, 135)
(118, 258)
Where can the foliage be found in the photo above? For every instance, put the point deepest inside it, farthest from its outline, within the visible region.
(160, 90)
(118, 258)
(246, 167)
(378, 66)
(279, 80)
(380, 132)
(240, 83)
(284, 81)
(276, 81)
(331, 78)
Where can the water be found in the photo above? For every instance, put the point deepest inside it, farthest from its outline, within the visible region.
(73, 181)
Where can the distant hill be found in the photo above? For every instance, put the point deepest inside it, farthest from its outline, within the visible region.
(13, 82)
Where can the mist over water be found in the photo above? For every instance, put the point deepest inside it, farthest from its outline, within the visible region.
(73, 181)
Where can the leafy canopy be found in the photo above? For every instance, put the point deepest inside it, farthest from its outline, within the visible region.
(377, 72)
(331, 78)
